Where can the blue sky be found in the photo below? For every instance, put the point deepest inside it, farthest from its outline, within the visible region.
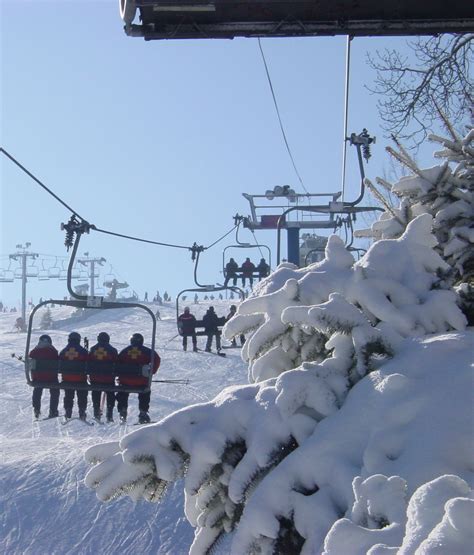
(159, 139)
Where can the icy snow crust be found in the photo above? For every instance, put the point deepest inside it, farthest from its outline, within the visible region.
(46, 509)
(357, 412)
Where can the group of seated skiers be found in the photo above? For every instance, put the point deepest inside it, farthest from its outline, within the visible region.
(135, 353)
(211, 323)
(247, 271)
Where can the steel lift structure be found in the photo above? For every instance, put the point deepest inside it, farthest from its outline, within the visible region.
(227, 19)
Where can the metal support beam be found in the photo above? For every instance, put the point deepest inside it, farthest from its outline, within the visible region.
(293, 244)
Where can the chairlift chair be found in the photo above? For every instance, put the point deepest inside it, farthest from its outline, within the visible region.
(43, 274)
(32, 270)
(62, 367)
(7, 276)
(202, 288)
(63, 274)
(55, 270)
(240, 245)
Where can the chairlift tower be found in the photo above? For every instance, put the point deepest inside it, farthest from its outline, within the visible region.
(331, 215)
(23, 255)
(91, 263)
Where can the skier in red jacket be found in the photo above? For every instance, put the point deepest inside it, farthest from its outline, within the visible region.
(45, 351)
(136, 353)
(102, 351)
(74, 352)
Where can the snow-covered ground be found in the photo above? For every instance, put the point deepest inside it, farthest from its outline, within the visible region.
(46, 509)
(404, 425)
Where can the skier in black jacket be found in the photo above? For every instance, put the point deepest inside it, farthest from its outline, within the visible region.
(187, 328)
(211, 324)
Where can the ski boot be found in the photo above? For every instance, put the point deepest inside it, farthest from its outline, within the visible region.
(109, 415)
(82, 415)
(123, 416)
(195, 349)
(36, 413)
(53, 413)
(143, 418)
(97, 415)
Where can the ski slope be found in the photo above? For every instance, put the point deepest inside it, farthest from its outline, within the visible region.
(46, 507)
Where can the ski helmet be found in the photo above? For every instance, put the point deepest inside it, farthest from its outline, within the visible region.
(74, 337)
(136, 340)
(46, 339)
(103, 337)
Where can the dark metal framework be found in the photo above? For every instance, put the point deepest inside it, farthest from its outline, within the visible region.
(239, 245)
(202, 288)
(186, 19)
(85, 368)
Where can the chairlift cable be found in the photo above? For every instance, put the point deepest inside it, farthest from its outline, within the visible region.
(256, 242)
(95, 228)
(346, 114)
(223, 237)
(132, 238)
(279, 116)
(15, 161)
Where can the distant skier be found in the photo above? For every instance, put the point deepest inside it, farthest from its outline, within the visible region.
(248, 268)
(211, 324)
(232, 312)
(263, 269)
(136, 353)
(231, 269)
(74, 352)
(45, 351)
(102, 351)
(187, 328)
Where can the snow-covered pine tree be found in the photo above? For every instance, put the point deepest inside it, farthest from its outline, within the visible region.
(312, 334)
(46, 322)
(446, 192)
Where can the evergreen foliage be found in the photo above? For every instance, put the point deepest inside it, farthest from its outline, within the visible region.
(446, 192)
(46, 322)
(313, 333)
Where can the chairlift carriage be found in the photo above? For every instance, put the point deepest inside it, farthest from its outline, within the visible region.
(202, 288)
(245, 246)
(7, 276)
(62, 367)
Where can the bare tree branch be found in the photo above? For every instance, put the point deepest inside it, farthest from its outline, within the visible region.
(414, 89)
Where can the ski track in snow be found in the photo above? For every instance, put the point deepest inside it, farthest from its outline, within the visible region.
(46, 507)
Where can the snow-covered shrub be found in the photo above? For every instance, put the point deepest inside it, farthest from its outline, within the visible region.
(436, 520)
(345, 309)
(446, 192)
(287, 484)
(274, 461)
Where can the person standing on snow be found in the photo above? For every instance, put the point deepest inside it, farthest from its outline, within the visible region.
(74, 352)
(187, 328)
(211, 324)
(136, 353)
(45, 351)
(232, 312)
(102, 351)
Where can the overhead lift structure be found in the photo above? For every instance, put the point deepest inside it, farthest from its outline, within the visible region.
(190, 19)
